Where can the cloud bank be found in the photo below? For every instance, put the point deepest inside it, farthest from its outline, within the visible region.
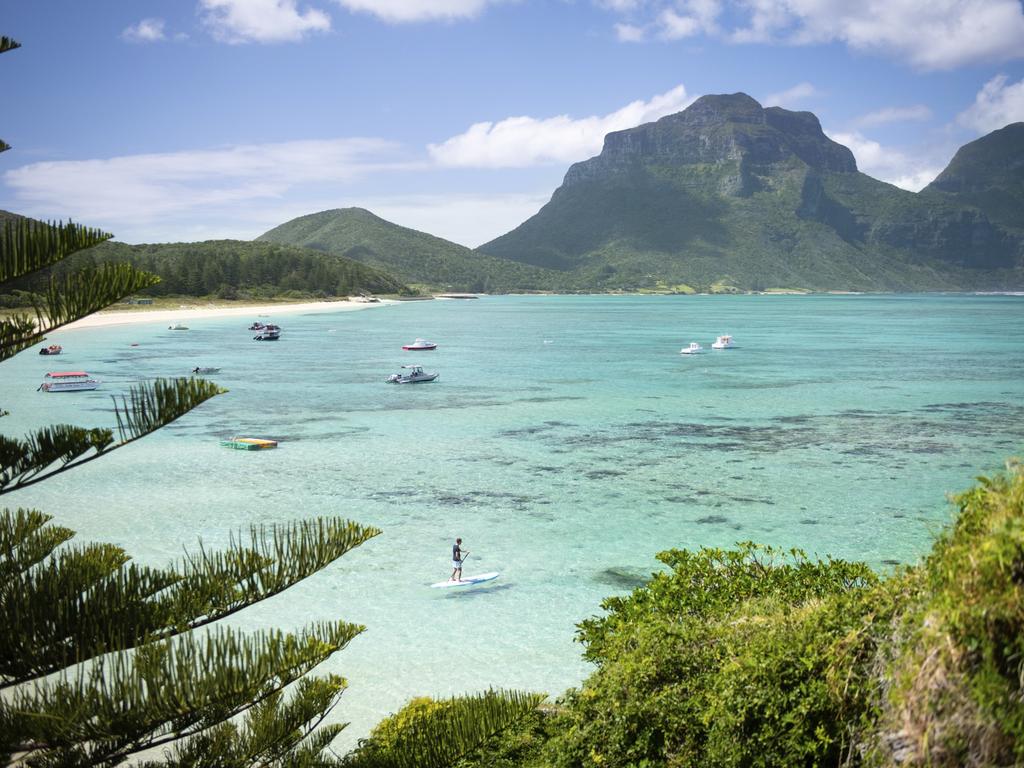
(261, 21)
(928, 34)
(889, 165)
(519, 142)
(397, 11)
(148, 187)
(997, 104)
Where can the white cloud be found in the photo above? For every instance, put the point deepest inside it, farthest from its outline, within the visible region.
(675, 27)
(146, 31)
(930, 34)
(143, 189)
(418, 10)
(689, 18)
(791, 96)
(916, 112)
(886, 164)
(621, 6)
(518, 142)
(628, 33)
(261, 21)
(996, 105)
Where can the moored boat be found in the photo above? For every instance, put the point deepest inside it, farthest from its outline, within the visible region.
(203, 371)
(414, 375)
(268, 333)
(419, 344)
(68, 381)
(53, 349)
(177, 327)
(693, 349)
(723, 342)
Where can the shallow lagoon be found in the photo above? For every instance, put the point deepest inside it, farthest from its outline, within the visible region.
(566, 441)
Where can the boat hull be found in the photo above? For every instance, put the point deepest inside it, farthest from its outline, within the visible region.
(412, 380)
(78, 386)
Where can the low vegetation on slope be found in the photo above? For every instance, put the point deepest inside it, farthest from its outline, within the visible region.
(758, 657)
(232, 269)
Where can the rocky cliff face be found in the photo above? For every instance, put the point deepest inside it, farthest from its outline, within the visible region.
(727, 190)
(732, 134)
(987, 174)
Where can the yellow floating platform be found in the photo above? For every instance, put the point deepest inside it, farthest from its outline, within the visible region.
(249, 443)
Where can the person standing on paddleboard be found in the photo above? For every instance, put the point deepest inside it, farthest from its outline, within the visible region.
(457, 557)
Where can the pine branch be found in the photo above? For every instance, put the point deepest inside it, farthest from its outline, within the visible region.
(275, 732)
(27, 246)
(7, 44)
(23, 461)
(53, 450)
(76, 296)
(25, 540)
(78, 605)
(149, 407)
(18, 332)
(273, 561)
(127, 702)
(84, 602)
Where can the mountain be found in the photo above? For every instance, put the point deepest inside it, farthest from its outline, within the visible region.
(729, 193)
(989, 175)
(413, 256)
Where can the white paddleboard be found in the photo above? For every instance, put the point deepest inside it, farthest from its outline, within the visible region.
(467, 582)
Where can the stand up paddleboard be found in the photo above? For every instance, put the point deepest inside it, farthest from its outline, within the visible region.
(467, 582)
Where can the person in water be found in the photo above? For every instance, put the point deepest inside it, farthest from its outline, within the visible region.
(457, 557)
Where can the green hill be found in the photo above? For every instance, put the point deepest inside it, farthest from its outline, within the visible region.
(413, 256)
(727, 192)
(988, 174)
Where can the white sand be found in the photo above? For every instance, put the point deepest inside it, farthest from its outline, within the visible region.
(195, 312)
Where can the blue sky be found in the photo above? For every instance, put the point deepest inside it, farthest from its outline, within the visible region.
(180, 120)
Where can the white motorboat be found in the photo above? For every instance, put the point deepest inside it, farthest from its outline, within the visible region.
(201, 371)
(413, 374)
(177, 327)
(68, 381)
(419, 344)
(723, 342)
(693, 349)
(268, 333)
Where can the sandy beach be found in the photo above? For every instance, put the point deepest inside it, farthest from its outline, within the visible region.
(199, 311)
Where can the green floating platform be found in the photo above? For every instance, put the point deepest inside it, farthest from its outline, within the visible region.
(249, 443)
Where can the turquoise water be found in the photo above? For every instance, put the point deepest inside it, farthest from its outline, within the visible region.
(566, 441)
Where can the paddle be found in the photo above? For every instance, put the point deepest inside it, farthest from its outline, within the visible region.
(462, 561)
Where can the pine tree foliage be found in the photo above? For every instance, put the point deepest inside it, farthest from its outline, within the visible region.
(84, 601)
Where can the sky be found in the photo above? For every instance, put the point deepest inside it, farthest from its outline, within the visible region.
(186, 120)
